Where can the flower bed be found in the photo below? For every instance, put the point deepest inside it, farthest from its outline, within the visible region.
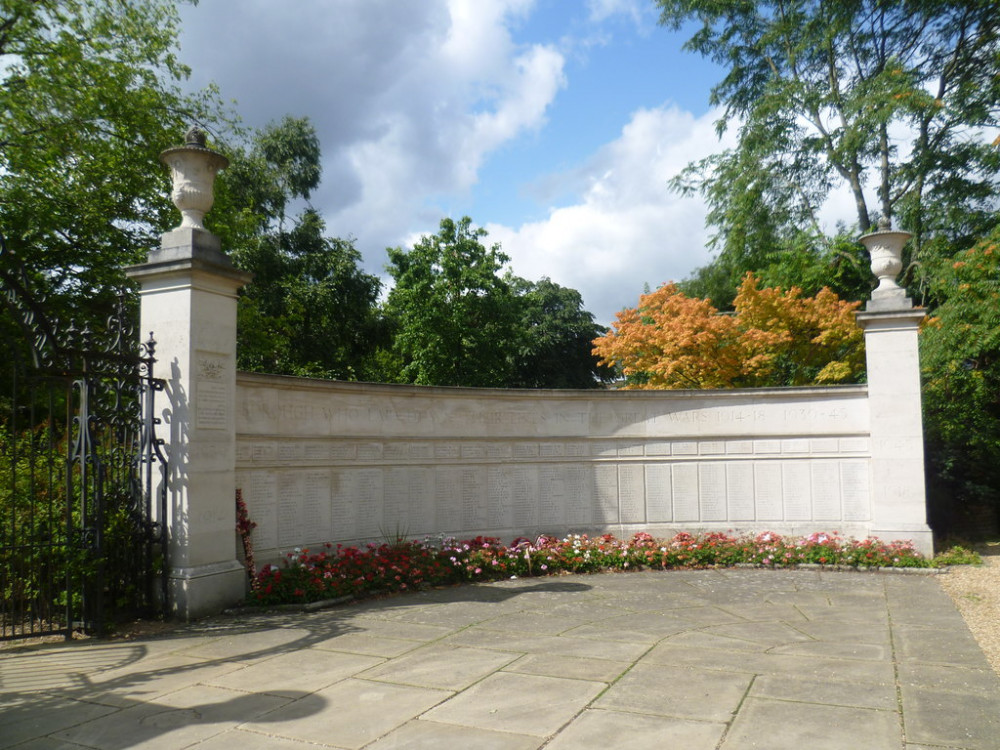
(308, 576)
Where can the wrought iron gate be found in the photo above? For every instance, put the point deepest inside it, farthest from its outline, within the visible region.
(82, 535)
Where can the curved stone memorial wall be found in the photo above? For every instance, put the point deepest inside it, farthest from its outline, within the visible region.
(322, 461)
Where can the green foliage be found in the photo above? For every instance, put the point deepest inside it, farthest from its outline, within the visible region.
(44, 557)
(34, 536)
(455, 315)
(960, 356)
(862, 94)
(309, 310)
(88, 99)
(456, 321)
(956, 555)
(808, 262)
(556, 335)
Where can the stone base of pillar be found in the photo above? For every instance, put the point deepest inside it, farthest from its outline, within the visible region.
(918, 533)
(206, 589)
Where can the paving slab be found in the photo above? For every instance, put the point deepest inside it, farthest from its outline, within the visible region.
(441, 667)
(574, 667)
(179, 719)
(876, 695)
(350, 714)
(720, 659)
(964, 719)
(681, 693)
(603, 729)
(21, 723)
(788, 725)
(422, 734)
(243, 739)
(520, 703)
(915, 643)
(520, 643)
(288, 674)
(850, 631)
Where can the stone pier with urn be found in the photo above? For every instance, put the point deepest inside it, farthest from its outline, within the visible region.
(188, 290)
(891, 325)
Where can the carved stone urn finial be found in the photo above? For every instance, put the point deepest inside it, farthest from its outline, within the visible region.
(885, 247)
(195, 137)
(193, 167)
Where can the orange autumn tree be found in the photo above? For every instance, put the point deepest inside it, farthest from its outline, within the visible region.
(773, 338)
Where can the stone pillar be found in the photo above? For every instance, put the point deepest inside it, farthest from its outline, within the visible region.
(188, 290)
(890, 323)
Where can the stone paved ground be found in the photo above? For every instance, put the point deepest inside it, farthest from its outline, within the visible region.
(722, 659)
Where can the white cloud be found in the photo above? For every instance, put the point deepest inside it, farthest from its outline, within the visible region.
(411, 98)
(637, 10)
(408, 98)
(628, 228)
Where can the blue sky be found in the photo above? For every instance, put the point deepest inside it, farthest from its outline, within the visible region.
(555, 124)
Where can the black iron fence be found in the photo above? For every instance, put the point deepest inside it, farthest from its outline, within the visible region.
(82, 477)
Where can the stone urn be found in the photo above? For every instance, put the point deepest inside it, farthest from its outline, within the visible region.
(885, 247)
(193, 167)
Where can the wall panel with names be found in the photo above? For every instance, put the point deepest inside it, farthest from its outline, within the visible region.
(291, 507)
(606, 493)
(553, 496)
(632, 493)
(854, 481)
(796, 491)
(344, 503)
(659, 496)
(370, 498)
(261, 496)
(524, 496)
(499, 497)
(685, 492)
(768, 491)
(740, 491)
(712, 491)
(826, 491)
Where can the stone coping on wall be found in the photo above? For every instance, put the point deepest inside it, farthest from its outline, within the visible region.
(289, 406)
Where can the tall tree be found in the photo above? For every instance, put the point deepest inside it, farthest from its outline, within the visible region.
(556, 335)
(774, 338)
(960, 356)
(310, 309)
(88, 99)
(891, 99)
(455, 316)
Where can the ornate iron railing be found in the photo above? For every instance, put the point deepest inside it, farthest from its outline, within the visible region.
(82, 474)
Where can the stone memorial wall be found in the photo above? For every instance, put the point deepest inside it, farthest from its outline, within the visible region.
(322, 461)
(350, 462)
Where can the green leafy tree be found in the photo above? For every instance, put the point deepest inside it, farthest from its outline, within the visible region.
(960, 357)
(88, 98)
(556, 335)
(889, 99)
(839, 264)
(310, 309)
(455, 317)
